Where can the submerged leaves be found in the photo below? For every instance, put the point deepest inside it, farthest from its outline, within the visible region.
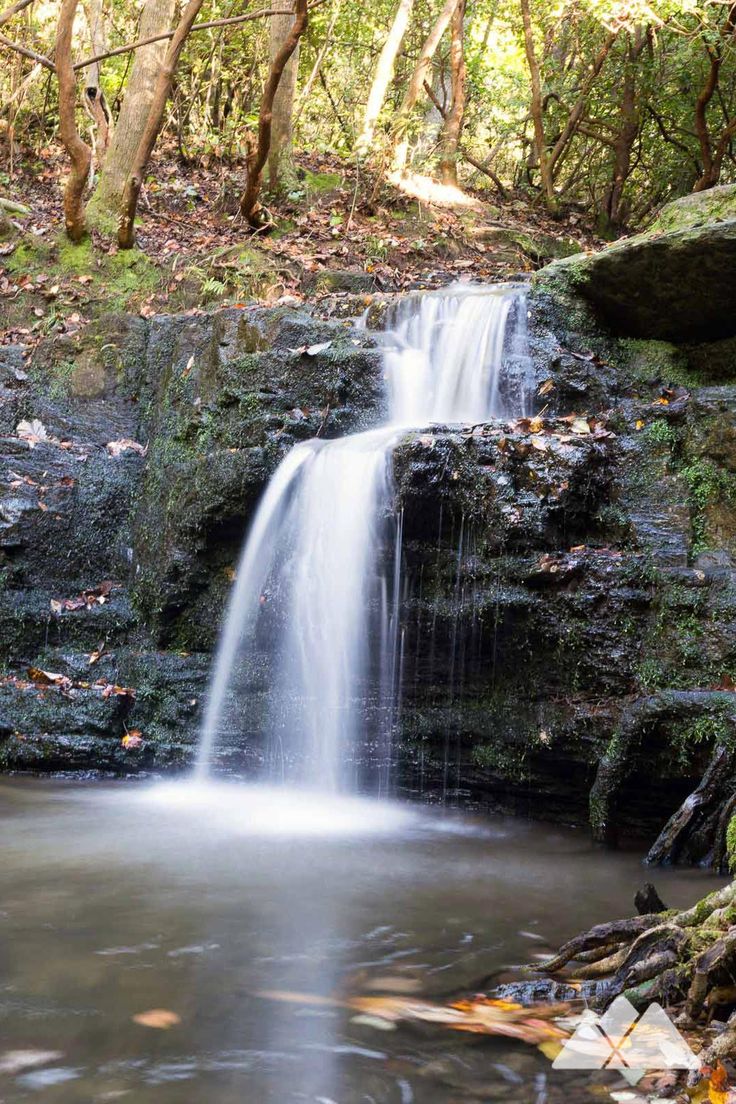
(161, 1018)
(480, 1015)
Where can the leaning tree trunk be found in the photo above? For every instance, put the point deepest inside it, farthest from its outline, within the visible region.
(142, 155)
(383, 75)
(79, 152)
(258, 149)
(416, 85)
(280, 155)
(106, 204)
(453, 122)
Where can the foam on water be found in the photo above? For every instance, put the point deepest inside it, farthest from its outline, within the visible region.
(238, 808)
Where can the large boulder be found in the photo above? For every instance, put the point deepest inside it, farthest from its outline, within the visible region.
(674, 282)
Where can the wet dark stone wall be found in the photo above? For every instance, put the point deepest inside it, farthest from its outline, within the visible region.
(555, 570)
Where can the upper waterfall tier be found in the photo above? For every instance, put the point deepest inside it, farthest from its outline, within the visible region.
(452, 355)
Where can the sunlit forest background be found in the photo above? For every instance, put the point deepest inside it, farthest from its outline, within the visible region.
(612, 107)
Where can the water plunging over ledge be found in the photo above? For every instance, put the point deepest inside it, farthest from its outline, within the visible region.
(316, 591)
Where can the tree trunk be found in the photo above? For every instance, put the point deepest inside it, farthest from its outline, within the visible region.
(106, 203)
(258, 150)
(453, 123)
(134, 183)
(280, 154)
(537, 109)
(383, 75)
(708, 177)
(416, 84)
(79, 152)
(712, 161)
(94, 98)
(623, 142)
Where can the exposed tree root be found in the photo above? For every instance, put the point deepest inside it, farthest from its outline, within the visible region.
(685, 959)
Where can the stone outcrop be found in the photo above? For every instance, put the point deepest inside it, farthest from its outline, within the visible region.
(674, 282)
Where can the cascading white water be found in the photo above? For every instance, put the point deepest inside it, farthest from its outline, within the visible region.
(445, 355)
(310, 592)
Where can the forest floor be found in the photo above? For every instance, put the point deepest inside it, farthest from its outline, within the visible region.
(336, 232)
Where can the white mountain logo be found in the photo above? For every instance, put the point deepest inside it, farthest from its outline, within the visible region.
(624, 1041)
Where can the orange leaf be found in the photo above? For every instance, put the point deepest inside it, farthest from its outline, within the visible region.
(160, 1018)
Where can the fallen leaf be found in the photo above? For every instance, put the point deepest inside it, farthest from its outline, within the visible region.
(132, 739)
(32, 432)
(117, 448)
(160, 1018)
(97, 654)
(112, 690)
(46, 678)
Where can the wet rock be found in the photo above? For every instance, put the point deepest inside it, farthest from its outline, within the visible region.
(674, 282)
(647, 900)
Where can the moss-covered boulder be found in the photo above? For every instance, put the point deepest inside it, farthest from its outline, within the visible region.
(674, 282)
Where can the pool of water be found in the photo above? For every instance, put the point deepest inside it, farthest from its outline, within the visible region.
(119, 899)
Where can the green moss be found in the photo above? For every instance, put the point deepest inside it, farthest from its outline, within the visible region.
(709, 485)
(654, 361)
(651, 674)
(731, 844)
(320, 183)
(712, 728)
(505, 760)
(660, 432)
(698, 209)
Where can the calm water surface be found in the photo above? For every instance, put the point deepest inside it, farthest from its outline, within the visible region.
(118, 899)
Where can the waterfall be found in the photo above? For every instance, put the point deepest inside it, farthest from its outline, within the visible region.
(316, 592)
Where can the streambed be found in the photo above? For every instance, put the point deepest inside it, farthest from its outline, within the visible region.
(119, 899)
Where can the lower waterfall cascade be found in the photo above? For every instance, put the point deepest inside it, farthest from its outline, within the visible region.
(312, 629)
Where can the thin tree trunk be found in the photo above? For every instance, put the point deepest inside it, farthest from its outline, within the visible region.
(712, 161)
(280, 162)
(106, 203)
(258, 150)
(452, 126)
(537, 109)
(79, 152)
(629, 120)
(134, 183)
(317, 67)
(416, 84)
(383, 75)
(701, 120)
(560, 148)
(94, 98)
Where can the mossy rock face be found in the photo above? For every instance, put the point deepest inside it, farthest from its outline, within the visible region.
(698, 209)
(675, 282)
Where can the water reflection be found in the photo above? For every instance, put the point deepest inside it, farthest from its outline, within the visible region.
(117, 900)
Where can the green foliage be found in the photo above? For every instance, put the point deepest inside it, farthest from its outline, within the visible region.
(505, 760)
(660, 432)
(711, 728)
(709, 485)
(731, 844)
